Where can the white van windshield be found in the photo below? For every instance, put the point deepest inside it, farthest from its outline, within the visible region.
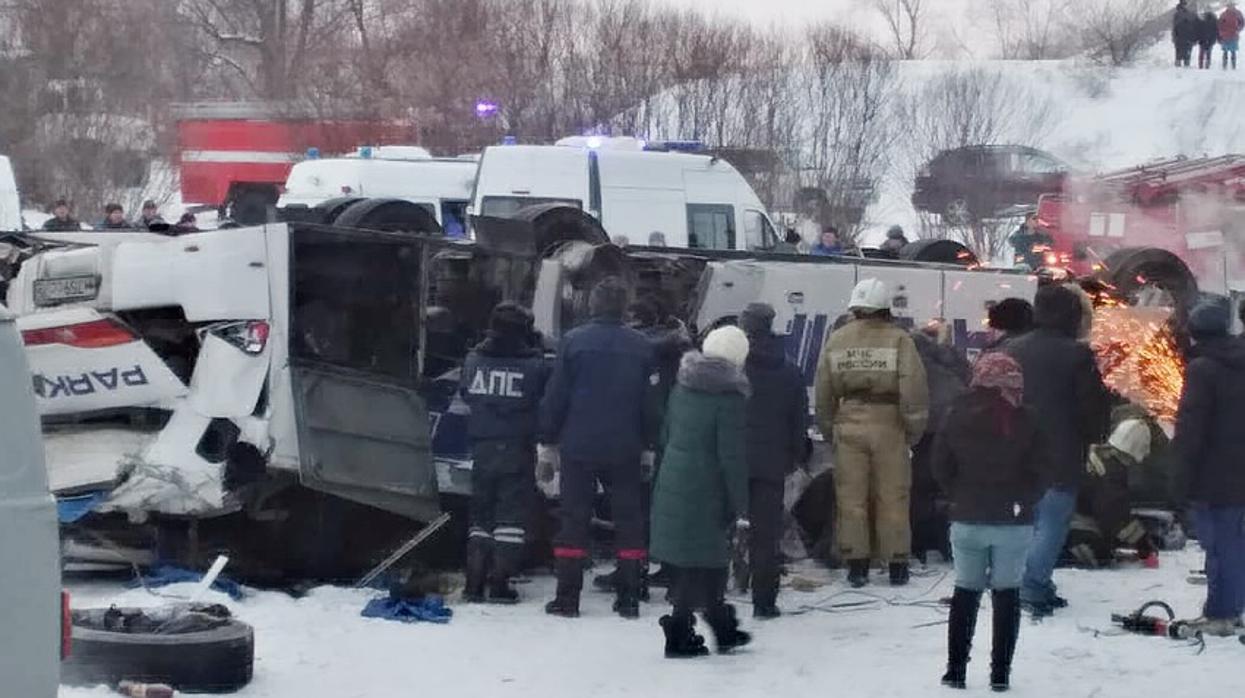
(508, 206)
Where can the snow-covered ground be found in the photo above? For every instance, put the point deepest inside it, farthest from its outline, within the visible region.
(319, 646)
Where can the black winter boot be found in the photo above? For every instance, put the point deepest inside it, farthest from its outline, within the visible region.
(479, 550)
(507, 559)
(570, 583)
(725, 625)
(682, 642)
(627, 604)
(963, 622)
(857, 573)
(1006, 633)
(608, 583)
(899, 574)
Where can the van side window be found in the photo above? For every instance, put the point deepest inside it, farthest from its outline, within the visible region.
(710, 227)
(758, 232)
(367, 323)
(454, 218)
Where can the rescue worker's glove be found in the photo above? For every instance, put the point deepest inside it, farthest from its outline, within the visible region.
(1095, 466)
(548, 465)
(648, 462)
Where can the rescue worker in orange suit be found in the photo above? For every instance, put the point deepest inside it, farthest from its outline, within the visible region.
(873, 402)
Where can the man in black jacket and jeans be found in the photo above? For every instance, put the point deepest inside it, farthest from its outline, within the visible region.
(777, 430)
(600, 410)
(1064, 390)
(1210, 440)
(503, 381)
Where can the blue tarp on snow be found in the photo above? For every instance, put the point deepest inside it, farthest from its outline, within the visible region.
(430, 609)
(164, 575)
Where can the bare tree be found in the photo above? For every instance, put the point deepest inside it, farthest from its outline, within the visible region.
(905, 22)
(1031, 30)
(846, 131)
(1114, 32)
(268, 43)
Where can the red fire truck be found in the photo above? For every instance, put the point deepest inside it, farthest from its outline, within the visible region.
(236, 155)
(1170, 225)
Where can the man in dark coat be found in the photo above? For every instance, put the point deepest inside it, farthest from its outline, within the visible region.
(503, 380)
(150, 216)
(1184, 33)
(669, 338)
(114, 218)
(1064, 389)
(1210, 440)
(947, 373)
(599, 409)
(1008, 319)
(1030, 243)
(1207, 37)
(777, 430)
(61, 221)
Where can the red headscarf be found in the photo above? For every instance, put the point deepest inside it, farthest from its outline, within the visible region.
(1000, 372)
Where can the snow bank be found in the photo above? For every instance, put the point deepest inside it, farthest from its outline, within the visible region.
(319, 646)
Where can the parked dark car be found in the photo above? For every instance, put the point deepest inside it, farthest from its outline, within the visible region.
(968, 184)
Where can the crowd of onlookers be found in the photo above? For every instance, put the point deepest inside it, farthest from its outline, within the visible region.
(1204, 31)
(114, 218)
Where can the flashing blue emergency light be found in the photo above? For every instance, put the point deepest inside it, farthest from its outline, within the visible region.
(365, 152)
(486, 108)
(313, 153)
(509, 140)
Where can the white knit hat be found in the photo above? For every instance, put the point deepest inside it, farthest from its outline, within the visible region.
(728, 343)
(1132, 436)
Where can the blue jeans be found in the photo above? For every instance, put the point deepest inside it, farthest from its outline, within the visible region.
(1221, 531)
(989, 556)
(1054, 514)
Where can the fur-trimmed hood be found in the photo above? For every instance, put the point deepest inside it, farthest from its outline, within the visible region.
(711, 375)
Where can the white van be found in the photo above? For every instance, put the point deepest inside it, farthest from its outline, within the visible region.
(440, 185)
(693, 201)
(32, 614)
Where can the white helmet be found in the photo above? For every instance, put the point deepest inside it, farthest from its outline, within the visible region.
(1132, 436)
(870, 294)
(728, 343)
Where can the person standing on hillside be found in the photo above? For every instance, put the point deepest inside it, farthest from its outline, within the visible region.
(873, 404)
(1231, 22)
(1207, 36)
(1184, 33)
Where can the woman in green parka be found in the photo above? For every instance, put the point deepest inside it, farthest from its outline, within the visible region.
(701, 494)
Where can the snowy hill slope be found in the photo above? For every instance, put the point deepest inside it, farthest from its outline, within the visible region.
(1102, 118)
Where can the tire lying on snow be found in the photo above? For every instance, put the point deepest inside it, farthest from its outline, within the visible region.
(215, 654)
(389, 215)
